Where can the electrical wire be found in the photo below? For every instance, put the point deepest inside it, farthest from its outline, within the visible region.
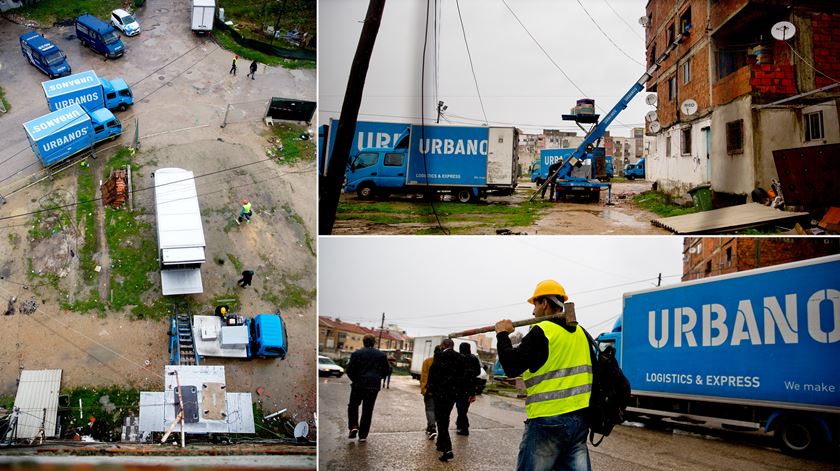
(469, 55)
(622, 20)
(607, 36)
(809, 64)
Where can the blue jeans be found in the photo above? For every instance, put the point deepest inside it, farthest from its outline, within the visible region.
(557, 442)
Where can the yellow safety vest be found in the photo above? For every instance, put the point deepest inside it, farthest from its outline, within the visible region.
(564, 382)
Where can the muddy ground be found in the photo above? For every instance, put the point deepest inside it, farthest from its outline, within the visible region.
(182, 92)
(622, 217)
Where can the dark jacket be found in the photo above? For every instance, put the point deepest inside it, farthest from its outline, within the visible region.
(472, 368)
(367, 367)
(447, 375)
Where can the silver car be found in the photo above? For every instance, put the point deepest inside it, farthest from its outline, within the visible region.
(125, 22)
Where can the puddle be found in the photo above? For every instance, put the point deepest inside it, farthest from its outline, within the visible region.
(621, 218)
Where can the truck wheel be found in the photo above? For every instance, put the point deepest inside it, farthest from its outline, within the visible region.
(798, 435)
(630, 177)
(366, 191)
(464, 195)
(122, 107)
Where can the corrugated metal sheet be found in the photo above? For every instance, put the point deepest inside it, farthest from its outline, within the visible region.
(37, 390)
(725, 219)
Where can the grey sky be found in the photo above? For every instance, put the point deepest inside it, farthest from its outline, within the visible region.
(427, 284)
(518, 84)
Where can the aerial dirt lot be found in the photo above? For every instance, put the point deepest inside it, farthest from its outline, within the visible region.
(405, 215)
(93, 272)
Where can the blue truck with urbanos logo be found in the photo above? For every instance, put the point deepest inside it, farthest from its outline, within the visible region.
(64, 133)
(44, 55)
(756, 349)
(89, 91)
(466, 162)
(99, 36)
(582, 180)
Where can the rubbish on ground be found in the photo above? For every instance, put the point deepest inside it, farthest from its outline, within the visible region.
(29, 306)
(274, 414)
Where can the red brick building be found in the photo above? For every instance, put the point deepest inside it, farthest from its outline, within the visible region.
(730, 66)
(711, 256)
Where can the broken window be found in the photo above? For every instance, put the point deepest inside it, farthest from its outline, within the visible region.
(672, 88)
(685, 141)
(813, 126)
(685, 21)
(735, 137)
(686, 71)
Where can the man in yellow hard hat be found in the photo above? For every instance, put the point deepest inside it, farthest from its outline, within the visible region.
(553, 360)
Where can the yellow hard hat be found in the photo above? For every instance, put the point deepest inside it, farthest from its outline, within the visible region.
(223, 310)
(549, 288)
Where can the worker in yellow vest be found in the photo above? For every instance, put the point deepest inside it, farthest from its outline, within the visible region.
(245, 213)
(553, 360)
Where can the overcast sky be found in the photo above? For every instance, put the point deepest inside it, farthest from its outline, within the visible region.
(517, 82)
(438, 285)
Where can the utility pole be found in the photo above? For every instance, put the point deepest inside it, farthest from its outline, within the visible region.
(330, 184)
(381, 327)
(659, 281)
(441, 107)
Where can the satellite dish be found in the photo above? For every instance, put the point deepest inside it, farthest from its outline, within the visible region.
(689, 107)
(655, 127)
(651, 116)
(644, 21)
(301, 430)
(783, 30)
(651, 99)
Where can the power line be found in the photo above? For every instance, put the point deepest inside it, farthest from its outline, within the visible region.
(809, 64)
(622, 20)
(607, 36)
(469, 55)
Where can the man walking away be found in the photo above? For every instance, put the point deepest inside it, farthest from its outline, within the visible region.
(386, 381)
(428, 399)
(253, 69)
(553, 359)
(472, 368)
(366, 369)
(245, 213)
(246, 278)
(233, 66)
(446, 378)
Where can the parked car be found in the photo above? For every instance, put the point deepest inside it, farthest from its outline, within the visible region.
(125, 22)
(327, 367)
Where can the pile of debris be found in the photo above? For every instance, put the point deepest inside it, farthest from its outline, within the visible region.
(275, 151)
(114, 190)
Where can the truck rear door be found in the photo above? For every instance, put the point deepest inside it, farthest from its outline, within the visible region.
(500, 161)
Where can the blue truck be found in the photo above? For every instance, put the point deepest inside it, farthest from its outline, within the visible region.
(636, 170)
(99, 36)
(44, 55)
(581, 181)
(466, 162)
(750, 350)
(229, 336)
(62, 134)
(89, 91)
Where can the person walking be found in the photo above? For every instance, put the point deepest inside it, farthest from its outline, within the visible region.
(253, 69)
(366, 369)
(386, 381)
(233, 65)
(472, 368)
(554, 361)
(428, 399)
(247, 275)
(245, 213)
(446, 378)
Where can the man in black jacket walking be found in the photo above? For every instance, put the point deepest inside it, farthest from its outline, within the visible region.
(472, 368)
(446, 383)
(366, 369)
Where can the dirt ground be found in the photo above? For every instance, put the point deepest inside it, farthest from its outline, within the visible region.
(623, 217)
(182, 92)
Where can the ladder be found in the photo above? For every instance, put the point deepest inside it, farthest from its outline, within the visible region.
(182, 344)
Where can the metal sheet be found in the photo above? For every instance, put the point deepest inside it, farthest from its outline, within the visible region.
(500, 156)
(186, 281)
(151, 414)
(190, 400)
(809, 175)
(725, 219)
(37, 391)
(211, 347)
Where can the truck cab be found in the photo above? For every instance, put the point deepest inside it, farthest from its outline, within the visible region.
(118, 94)
(268, 337)
(99, 36)
(633, 171)
(535, 169)
(44, 55)
(376, 170)
(105, 125)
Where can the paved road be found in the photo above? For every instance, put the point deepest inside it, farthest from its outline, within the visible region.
(397, 440)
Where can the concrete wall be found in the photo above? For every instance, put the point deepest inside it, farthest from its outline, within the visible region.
(680, 172)
(733, 173)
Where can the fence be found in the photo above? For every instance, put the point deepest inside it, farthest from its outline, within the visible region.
(265, 48)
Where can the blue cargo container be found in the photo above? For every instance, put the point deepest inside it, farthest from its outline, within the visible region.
(61, 134)
(44, 55)
(89, 91)
(750, 349)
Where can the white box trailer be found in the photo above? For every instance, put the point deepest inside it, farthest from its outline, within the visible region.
(179, 230)
(202, 15)
(424, 347)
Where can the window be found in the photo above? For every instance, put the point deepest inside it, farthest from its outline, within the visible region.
(98, 129)
(672, 88)
(110, 95)
(393, 160)
(730, 61)
(686, 71)
(113, 124)
(685, 21)
(668, 146)
(735, 137)
(653, 54)
(671, 35)
(685, 141)
(814, 126)
(365, 159)
(728, 257)
(708, 269)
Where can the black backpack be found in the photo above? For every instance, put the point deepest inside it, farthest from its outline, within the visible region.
(610, 392)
